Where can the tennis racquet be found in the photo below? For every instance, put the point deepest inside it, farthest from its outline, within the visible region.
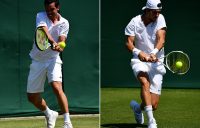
(41, 39)
(177, 62)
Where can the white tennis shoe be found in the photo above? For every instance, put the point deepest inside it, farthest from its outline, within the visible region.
(67, 125)
(152, 124)
(51, 119)
(139, 117)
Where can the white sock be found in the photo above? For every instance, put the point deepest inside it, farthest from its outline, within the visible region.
(148, 109)
(47, 112)
(66, 117)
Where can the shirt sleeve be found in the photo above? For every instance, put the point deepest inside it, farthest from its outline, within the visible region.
(161, 22)
(64, 29)
(40, 20)
(130, 28)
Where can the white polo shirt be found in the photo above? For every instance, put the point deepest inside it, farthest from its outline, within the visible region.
(145, 36)
(61, 28)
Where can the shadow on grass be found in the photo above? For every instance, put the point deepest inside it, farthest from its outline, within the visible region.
(123, 125)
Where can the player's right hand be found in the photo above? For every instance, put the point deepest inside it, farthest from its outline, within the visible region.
(153, 58)
(143, 56)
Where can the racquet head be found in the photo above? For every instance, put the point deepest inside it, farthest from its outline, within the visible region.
(177, 56)
(41, 39)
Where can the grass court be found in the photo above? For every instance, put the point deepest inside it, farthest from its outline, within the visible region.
(39, 122)
(178, 108)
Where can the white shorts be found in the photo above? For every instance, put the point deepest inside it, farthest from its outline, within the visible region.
(38, 73)
(154, 70)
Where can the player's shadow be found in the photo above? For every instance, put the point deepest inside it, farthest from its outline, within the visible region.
(123, 125)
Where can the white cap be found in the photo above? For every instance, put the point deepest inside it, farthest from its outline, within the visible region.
(153, 4)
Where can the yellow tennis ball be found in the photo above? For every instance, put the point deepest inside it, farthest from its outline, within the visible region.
(62, 44)
(179, 64)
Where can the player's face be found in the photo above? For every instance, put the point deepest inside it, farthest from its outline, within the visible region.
(153, 14)
(51, 10)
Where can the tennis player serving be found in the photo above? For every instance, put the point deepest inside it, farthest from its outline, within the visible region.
(48, 63)
(145, 39)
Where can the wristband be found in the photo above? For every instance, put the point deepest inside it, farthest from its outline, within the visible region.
(136, 51)
(155, 51)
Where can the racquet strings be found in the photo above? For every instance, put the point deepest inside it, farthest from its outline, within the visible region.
(41, 39)
(173, 57)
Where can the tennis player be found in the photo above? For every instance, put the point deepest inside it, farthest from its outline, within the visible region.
(145, 39)
(48, 64)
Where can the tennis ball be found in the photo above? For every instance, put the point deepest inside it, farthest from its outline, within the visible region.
(62, 44)
(179, 64)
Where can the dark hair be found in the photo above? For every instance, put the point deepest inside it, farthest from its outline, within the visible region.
(47, 2)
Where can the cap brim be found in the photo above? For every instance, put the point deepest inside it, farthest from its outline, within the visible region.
(144, 8)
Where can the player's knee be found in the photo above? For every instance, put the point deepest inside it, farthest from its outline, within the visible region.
(144, 82)
(57, 88)
(31, 98)
(58, 92)
(143, 78)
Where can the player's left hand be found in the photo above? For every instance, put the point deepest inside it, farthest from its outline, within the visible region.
(59, 49)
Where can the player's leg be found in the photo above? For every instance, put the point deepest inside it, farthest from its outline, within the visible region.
(61, 97)
(150, 108)
(155, 89)
(35, 86)
(55, 79)
(139, 69)
(145, 88)
(154, 101)
(146, 95)
(63, 102)
(37, 101)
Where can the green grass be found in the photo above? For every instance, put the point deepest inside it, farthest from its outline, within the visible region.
(178, 108)
(78, 122)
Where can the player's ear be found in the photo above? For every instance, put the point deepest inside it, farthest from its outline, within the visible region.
(58, 8)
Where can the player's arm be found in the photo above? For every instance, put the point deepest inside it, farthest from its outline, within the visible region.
(136, 52)
(61, 39)
(129, 43)
(55, 45)
(160, 41)
(50, 38)
(160, 35)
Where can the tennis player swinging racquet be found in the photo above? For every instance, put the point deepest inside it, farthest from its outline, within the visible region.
(51, 30)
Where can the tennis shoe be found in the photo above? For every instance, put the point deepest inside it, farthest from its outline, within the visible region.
(152, 124)
(67, 125)
(51, 119)
(139, 117)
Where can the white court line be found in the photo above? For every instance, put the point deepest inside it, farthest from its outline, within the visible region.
(41, 117)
